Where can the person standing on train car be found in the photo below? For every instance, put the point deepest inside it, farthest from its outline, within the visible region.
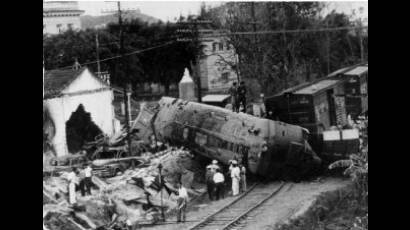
(236, 176)
(233, 91)
(242, 95)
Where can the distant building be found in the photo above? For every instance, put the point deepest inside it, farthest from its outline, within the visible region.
(80, 106)
(216, 64)
(59, 16)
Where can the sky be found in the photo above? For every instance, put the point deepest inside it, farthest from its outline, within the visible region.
(169, 10)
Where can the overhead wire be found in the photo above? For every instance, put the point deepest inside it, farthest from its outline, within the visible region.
(119, 56)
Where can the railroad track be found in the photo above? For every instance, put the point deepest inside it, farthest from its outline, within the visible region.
(231, 215)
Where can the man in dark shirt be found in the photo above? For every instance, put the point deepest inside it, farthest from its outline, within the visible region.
(233, 91)
(242, 95)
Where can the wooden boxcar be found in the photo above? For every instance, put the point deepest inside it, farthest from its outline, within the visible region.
(356, 84)
(314, 106)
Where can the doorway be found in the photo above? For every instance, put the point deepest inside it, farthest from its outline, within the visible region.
(332, 107)
(80, 129)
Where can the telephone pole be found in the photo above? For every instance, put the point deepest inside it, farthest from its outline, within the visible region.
(127, 89)
(98, 55)
(361, 41)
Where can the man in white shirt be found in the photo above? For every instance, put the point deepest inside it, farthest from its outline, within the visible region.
(72, 183)
(219, 180)
(181, 202)
(236, 176)
(88, 171)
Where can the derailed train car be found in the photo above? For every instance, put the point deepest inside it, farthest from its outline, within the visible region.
(267, 148)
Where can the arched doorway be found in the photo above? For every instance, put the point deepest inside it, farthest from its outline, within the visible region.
(80, 129)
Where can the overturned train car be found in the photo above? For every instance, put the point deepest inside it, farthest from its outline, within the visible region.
(267, 148)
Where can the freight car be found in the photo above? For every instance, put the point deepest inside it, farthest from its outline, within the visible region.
(267, 148)
(320, 104)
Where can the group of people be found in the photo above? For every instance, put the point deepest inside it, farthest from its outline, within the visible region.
(238, 96)
(216, 182)
(79, 179)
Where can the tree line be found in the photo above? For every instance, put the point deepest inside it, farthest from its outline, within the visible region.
(164, 65)
(270, 62)
(267, 62)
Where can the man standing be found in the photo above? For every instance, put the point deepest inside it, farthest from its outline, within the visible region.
(209, 178)
(72, 183)
(82, 181)
(181, 202)
(233, 91)
(88, 181)
(243, 177)
(242, 96)
(236, 176)
(219, 180)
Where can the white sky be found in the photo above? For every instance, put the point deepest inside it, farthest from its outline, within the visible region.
(169, 10)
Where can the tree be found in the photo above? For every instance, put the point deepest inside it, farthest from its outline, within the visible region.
(164, 65)
(280, 60)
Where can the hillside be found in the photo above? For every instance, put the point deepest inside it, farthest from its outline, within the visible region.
(88, 21)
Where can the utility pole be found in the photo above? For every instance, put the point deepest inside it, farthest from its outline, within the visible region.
(328, 47)
(98, 55)
(361, 40)
(126, 85)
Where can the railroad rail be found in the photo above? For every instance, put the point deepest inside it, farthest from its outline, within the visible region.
(231, 214)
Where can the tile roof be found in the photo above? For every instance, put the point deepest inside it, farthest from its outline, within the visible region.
(55, 81)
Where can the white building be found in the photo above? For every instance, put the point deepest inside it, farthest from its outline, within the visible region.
(215, 65)
(59, 16)
(66, 91)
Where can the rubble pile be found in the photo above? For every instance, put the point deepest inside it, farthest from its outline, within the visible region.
(134, 196)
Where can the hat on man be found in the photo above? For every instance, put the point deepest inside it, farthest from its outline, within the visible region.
(234, 162)
(214, 162)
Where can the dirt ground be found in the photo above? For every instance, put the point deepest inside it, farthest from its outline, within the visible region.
(288, 204)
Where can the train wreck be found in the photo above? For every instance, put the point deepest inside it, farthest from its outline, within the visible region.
(268, 148)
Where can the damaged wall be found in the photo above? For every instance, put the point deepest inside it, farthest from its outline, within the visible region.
(93, 95)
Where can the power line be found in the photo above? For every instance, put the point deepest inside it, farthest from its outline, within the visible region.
(119, 56)
(290, 31)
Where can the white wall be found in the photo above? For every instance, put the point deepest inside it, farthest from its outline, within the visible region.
(98, 104)
(212, 67)
(52, 22)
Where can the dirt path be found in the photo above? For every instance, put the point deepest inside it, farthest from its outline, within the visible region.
(290, 203)
(287, 204)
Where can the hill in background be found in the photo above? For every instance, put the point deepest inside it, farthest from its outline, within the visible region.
(88, 21)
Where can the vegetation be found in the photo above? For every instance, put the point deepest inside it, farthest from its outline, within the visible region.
(343, 209)
(163, 65)
(268, 62)
(280, 60)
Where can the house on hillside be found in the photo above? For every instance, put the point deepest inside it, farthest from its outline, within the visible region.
(80, 107)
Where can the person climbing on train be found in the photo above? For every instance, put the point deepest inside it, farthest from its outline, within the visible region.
(233, 91)
(242, 96)
(236, 176)
(209, 179)
(219, 181)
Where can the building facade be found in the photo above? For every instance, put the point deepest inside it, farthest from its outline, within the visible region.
(59, 16)
(68, 91)
(216, 63)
